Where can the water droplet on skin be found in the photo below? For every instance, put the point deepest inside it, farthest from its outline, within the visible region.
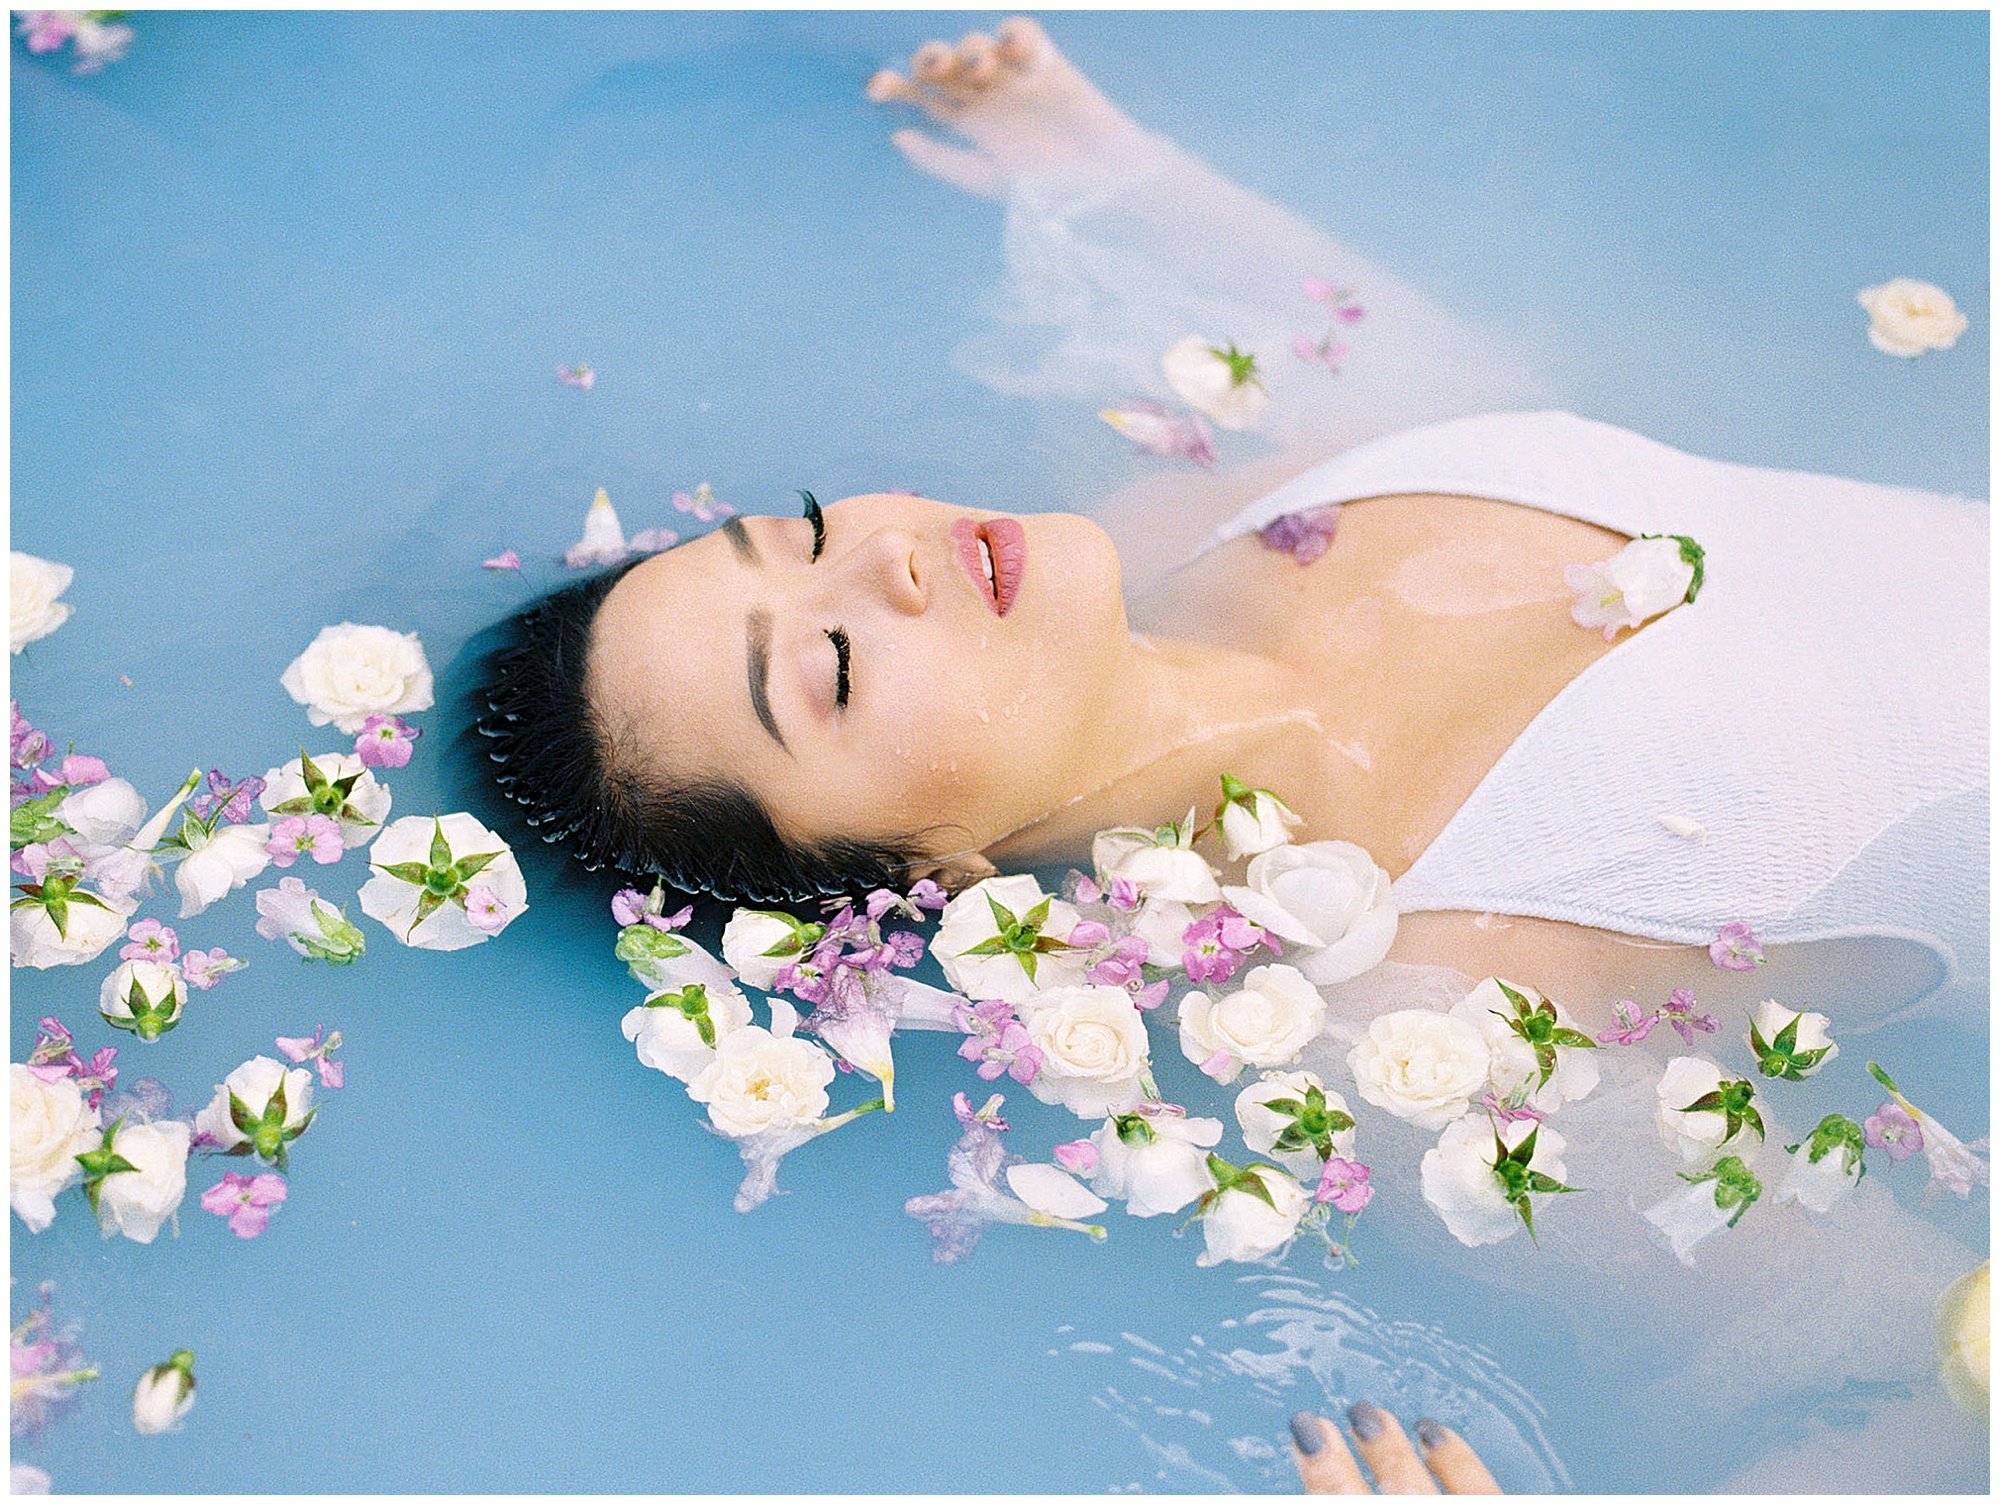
(985, 717)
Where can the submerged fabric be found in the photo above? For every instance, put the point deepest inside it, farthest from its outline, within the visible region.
(1821, 708)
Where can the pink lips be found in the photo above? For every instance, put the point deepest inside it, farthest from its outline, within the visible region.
(1008, 544)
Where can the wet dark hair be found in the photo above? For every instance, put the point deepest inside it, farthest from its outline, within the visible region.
(556, 755)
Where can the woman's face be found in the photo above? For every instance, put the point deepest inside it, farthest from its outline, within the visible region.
(981, 649)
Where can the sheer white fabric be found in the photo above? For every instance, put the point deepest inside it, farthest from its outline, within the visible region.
(1821, 708)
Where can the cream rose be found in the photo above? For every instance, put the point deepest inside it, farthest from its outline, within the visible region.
(164, 1394)
(1162, 924)
(1094, 1048)
(1327, 897)
(1646, 577)
(1826, 1165)
(33, 588)
(1488, 1009)
(996, 940)
(1266, 1022)
(760, 1081)
(105, 814)
(1254, 821)
(1422, 1066)
(1159, 870)
(1965, 1339)
(49, 1125)
(1263, 1125)
(761, 943)
(226, 860)
(395, 895)
(1461, 1183)
(1240, 1225)
(349, 673)
(89, 924)
(254, 1085)
(668, 1027)
(367, 802)
(1907, 317)
(1696, 1137)
(1218, 381)
(145, 998)
(1154, 1163)
(136, 1202)
(1809, 1048)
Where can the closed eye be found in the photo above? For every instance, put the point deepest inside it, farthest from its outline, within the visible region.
(842, 665)
(818, 520)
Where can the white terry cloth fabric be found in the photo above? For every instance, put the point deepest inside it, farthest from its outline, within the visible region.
(1821, 708)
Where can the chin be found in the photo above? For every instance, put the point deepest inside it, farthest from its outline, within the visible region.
(1074, 582)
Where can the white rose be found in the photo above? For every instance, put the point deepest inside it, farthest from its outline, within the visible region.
(669, 974)
(969, 922)
(369, 798)
(106, 814)
(1703, 1209)
(164, 1394)
(395, 900)
(1825, 1166)
(254, 1084)
(136, 1202)
(1262, 1125)
(1094, 1048)
(1162, 924)
(26, 1479)
(1266, 1022)
(1052, 1192)
(761, 943)
(1154, 1164)
(1965, 1339)
(162, 996)
(1205, 378)
(1907, 317)
(49, 1125)
(1487, 1009)
(759, 1081)
(1421, 1066)
(1695, 1137)
(89, 925)
(349, 673)
(1159, 871)
(33, 586)
(226, 860)
(1239, 1225)
(1770, 1021)
(1643, 579)
(1461, 1185)
(667, 1027)
(1326, 896)
(1256, 823)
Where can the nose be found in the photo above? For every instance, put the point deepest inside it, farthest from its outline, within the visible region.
(884, 566)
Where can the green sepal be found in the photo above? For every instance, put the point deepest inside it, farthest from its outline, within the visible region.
(473, 866)
(409, 872)
(642, 942)
(440, 848)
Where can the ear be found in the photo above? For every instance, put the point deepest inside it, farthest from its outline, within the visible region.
(962, 870)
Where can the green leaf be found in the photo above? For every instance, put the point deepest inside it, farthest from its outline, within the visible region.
(1692, 553)
(1289, 1106)
(274, 1107)
(1788, 1037)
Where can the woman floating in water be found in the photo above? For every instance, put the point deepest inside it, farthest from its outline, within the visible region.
(1585, 698)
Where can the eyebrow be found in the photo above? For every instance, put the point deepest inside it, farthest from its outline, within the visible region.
(757, 635)
(746, 546)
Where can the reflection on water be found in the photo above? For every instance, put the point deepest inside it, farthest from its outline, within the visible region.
(1211, 1412)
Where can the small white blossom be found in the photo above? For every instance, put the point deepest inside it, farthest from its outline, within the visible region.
(1645, 578)
(1245, 1224)
(143, 997)
(1002, 938)
(34, 589)
(1217, 381)
(164, 1394)
(215, 864)
(677, 1031)
(1311, 1120)
(261, 1104)
(1907, 317)
(137, 1200)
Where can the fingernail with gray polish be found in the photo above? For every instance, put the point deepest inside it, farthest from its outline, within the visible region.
(1365, 1419)
(1308, 1433)
(1430, 1434)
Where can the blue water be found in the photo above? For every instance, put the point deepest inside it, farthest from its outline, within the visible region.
(288, 293)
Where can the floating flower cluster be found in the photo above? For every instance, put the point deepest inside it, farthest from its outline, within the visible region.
(93, 36)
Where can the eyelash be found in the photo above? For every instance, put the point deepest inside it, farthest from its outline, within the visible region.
(838, 636)
(818, 520)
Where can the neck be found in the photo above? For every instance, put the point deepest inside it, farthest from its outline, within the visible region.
(1187, 712)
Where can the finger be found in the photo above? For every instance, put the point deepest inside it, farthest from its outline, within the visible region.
(888, 85)
(934, 62)
(1325, 1465)
(1387, 1452)
(969, 170)
(1451, 1458)
(1020, 38)
(978, 59)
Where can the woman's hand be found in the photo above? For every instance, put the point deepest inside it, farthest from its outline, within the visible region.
(1327, 1467)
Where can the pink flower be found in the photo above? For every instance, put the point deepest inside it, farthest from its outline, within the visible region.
(245, 1200)
(1216, 943)
(652, 540)
(1344, 1183)
(204, 969)
(1124, 966)
(385, 741)
(80, 771)
(28, 746)
(1892, 1128)
(1087, 933)
(298, 834)
(1632, 1027)
(484, 909)
(506, 559)
(1303, 535)
(1735, 948)
(318, 1047)
(1321, 291)
(150, 941)
(987, 1116)
(997, 1040)
(702, 505)
(233, 800)
(1510, 1112)
(927, 894)
(1680, 1013)
(1329, 352)
(1154, 431)
(1078, 1157)
(579, 376)
(1149, 997)
(46, 30)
